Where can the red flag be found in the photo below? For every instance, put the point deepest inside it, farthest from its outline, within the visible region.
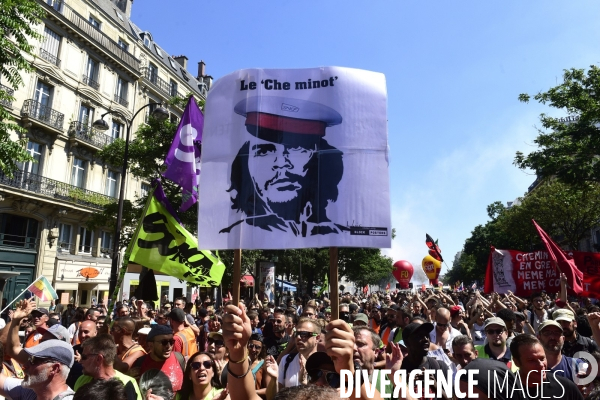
(366, 289)
(488, 285)
(564, 262)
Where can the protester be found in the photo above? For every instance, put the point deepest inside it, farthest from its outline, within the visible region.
(87, 330)
(496, 348)
(257, 353)
(463, 350)
(185, 339)
(573, 341)
(528, 355)
(155, 385)
(292, 371)
(444, 333)
(97, 359)
(112, 389)
(127, 349)
(278, 340)
(201, 380)
(551, 337)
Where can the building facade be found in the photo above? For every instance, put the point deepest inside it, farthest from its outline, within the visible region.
(92, 59)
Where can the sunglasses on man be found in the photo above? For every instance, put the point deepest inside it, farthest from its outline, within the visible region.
(217, 342)
(305, 335)
(166, 342)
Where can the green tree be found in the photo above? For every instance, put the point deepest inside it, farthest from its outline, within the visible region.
(18, 20)
(568, 147)
(565, 212)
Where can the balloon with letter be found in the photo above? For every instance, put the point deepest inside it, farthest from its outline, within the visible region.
(403, 272)
(432, 268)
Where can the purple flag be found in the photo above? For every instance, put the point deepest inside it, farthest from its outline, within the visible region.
(183, 158)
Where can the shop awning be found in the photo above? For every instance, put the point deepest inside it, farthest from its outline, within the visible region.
(247, 280)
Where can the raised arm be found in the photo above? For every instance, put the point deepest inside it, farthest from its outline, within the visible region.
(13, 347)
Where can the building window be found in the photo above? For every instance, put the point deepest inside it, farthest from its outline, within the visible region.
(43, 102)
(158, 51)
(105, 243)
(145, 190)
(17, 231)
(147, 40)
(117, 130)
(111, 183)
(34, 150)
(50, 46)
(78, 173)
(173, 87)
(86, 116)
(152, 73)
(122, 86)
(86, 239)
(91, 73)
(173, 65)
(123, 44)
(64, 237)
(94, 22)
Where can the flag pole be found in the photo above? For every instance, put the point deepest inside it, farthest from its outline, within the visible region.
(333, 283)
(16, 297)
(237, 275)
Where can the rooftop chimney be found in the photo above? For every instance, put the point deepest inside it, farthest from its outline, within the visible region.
(182, 60)
(201, 69)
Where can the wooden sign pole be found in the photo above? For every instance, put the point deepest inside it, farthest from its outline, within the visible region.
(237, 276)
(333, 283)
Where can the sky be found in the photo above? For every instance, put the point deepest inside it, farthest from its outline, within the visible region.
(454, 71)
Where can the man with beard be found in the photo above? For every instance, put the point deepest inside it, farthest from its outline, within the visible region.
(496, 348)
(533, 381)
(161, 357)
(390, 323)
(551, 337)
(277, 342)
(46, 372)
(539, 313)
(416, 339)
(185, 339)
(574, 342)
(292, 368)
(97, 359)
(375, 320)
(286, 174)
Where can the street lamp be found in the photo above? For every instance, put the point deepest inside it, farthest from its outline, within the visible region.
(160, 114)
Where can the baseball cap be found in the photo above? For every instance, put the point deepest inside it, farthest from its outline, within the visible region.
(455, 310)
(563, 315)
(177, 314)
(219, 333)
(41, 311)
(59, 332)
(494, 321)
(144, 331)
(519, 314)
(54, 349)
(416, 328)
(167, 305)
(362, 318)
(548, 323)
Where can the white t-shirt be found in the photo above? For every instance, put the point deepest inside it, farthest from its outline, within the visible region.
(74, 330)
(293, 371)
(452, 334)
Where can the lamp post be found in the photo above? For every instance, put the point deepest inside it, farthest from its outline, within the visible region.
(160, 114)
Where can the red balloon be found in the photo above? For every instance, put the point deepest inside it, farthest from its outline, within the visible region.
(403, 272)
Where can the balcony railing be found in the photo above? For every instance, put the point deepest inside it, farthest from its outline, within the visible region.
(96, 36)
(86, 133)
(51, 58)
(10, 92)
(55, 189)
(164, 86)
(121, 101)
(18, 242)
(90, 82)
(44, 114)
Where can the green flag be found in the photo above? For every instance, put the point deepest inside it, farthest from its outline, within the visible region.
(325, 286)
(163, 244)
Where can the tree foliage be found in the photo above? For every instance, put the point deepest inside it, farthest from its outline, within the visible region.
(568, 147)
(565, 212)
(18, 19)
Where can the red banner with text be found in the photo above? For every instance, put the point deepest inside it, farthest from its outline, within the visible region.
(526, 273)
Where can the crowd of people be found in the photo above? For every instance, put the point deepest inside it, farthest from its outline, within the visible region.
(544, 346)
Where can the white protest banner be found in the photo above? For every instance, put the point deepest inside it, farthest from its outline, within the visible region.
(295, 158)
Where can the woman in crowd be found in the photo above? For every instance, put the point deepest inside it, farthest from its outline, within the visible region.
(257, 353)
(201, 380)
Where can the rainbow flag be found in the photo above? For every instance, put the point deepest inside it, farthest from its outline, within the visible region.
(43, 289)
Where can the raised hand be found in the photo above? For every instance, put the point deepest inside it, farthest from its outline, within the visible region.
(24, 308)
(393, 360)
(236, 331)
(339, 344)
(271, 367)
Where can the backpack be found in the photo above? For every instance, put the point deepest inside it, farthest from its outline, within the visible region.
(288, 361)
(138, 363)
